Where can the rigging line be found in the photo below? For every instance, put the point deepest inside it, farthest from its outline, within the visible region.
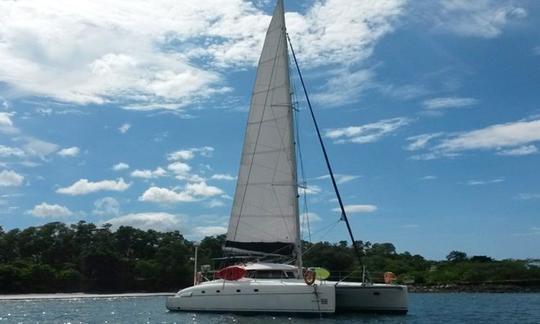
(329, 227)
(343, 214)
(302, 170)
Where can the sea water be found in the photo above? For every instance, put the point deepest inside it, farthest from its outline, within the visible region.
(423, 308)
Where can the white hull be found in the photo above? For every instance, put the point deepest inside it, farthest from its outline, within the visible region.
(255, 295)
(358, 297)
(290, 296)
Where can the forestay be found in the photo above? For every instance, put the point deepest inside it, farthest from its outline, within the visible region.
(265, 210)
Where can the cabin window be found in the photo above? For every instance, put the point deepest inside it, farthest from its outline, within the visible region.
(266, 274)
(256, 290)
(238, 290)
(218, 291)
(290, 274)
(202, 291)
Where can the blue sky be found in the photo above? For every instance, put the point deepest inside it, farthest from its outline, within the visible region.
(133, 113)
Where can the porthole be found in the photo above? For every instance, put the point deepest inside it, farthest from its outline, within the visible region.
(256, 290)
(202, 292)
(238, 290)
(218, 291)
(376, 293)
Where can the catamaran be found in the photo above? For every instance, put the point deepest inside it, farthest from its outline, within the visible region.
(265, 214)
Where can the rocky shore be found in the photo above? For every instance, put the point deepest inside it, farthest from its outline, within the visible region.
(475, 288)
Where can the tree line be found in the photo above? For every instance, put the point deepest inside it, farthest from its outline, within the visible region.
(57, 257)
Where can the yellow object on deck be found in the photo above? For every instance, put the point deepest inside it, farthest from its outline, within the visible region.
(321, 273)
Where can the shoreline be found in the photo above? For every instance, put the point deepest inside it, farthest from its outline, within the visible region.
(449, 288)
(467, 288)
(80, 295)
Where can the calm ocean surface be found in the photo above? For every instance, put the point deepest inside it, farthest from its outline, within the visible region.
(424, 308)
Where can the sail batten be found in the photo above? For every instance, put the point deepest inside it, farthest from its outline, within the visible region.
(264, 216)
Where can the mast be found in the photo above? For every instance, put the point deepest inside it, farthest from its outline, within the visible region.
(298, 245)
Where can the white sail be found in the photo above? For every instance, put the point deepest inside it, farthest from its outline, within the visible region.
(265, 210)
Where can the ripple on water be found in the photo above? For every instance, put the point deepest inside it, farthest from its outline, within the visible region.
(424, 308)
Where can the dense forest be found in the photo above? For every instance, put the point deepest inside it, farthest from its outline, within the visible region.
(84, 257)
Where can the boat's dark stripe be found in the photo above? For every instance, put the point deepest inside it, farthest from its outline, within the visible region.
(265, 247)
(372, 288)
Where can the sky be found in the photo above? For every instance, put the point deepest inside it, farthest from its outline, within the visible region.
(133, 113)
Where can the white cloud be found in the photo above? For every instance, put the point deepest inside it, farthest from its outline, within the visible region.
(519, 151)
(184, 155)
(165, 196)
(493, 137)
(357, 209)
(227, 177)
(146, 54)
(124, 128)
(158, 221)
(30, 146)
(149, 174)
(215, 203)
(479, 18)
(93, 52)
(203, 231)
(310, 190)
(107, 206)
(191, 192)
(513, 138)
(45, 210)
(433, 156)
(420, 141)
(203, 190)
(7, 151)
(70, 151)
(179, 168)
(120, 166)
(5, 119)
(9, 178)
(528, 196)
(344, 87)
(429, 177)
(340, 178)
(367, 133)
(39, 148)
(181, 155)
(484, 182)
(83, 187)
(337, 31)
(532, 231)
(191, 178)
(448, 102)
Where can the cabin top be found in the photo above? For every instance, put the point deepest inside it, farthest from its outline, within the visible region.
(270, 266)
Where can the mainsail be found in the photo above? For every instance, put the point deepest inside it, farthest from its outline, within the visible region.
(265, 210)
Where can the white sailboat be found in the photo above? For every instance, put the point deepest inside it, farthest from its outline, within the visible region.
(265, 215)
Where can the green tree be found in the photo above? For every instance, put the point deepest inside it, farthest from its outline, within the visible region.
(456, 256)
